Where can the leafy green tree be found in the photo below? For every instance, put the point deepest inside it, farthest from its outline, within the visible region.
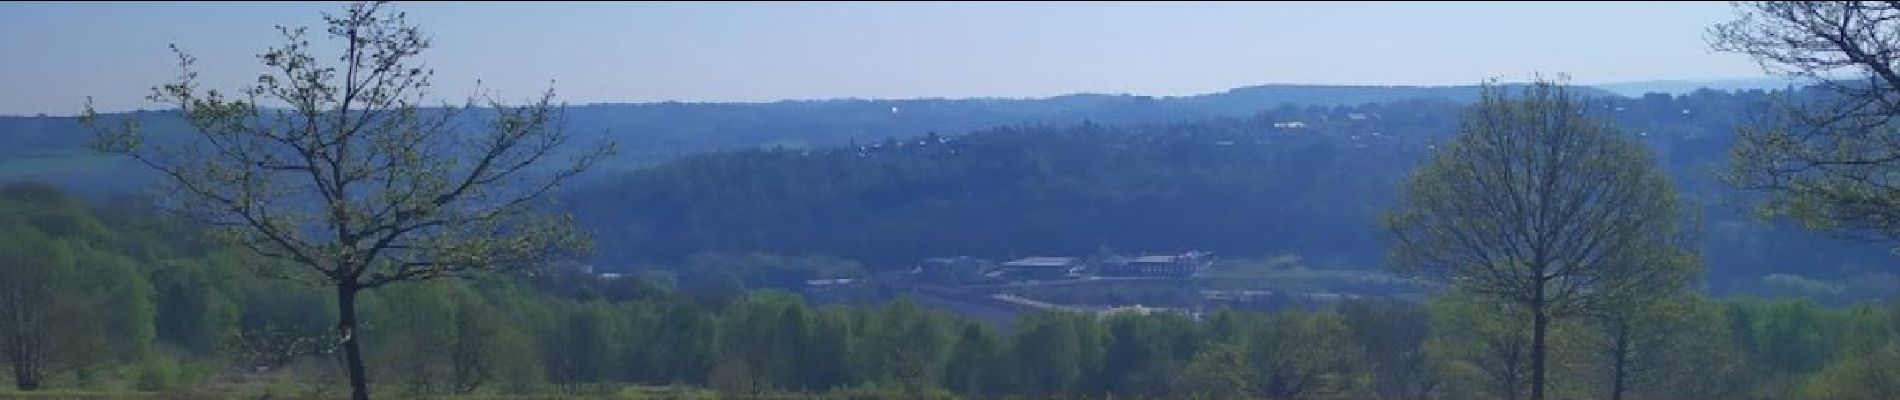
(35, 272)
(1796, 337)
(1393, 333)
(1638, 311)
(197, 302)
(1219, 370)
(1536, 204)
(479, 342)
(1048, 354)
(1483, 345)
(825, 359)
(904, 347)
(686, 341)
(73, 302)
(410, 329)
(1686, 352)
(755, 332)
(977, 365)
(1145, 353)
(581, 350)
(1869, 365)
(1299, 355)
(333, 168)
(437, 337)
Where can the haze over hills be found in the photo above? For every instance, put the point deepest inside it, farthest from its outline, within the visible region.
(1683, 86)
(1287, 180)
(52, 147)
(855, 200)
(1690, 131)
(657, 131)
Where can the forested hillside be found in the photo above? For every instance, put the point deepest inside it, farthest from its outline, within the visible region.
(44, 146)
(891, 182)
(1308, 181)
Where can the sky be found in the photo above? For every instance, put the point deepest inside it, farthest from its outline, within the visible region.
(54, 55)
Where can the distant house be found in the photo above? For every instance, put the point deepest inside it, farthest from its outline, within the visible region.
(1044, 268)
(953, 263)
(828, 283)
(1139, 310)
(961, 269)
(1179, 265)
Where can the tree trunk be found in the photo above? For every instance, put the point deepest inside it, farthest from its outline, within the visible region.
(21, 350)
(1540, 325)
(26, 360)
(352, 349)
(24, 379)
(1620, 361)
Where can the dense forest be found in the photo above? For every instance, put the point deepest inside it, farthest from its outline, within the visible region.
(690, 235)
(124, 300)
(1072, 176)
(1242, 187)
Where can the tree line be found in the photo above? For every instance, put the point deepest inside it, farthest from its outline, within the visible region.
(129, 301)
(1241, 187)
(1565, 250)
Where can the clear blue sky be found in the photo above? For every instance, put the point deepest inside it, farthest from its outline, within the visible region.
(53, 55)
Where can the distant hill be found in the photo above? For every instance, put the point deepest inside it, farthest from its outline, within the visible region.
(1240, 100)
(44, 147)
(1068, 174)
(1639, 88)
(1307, 180)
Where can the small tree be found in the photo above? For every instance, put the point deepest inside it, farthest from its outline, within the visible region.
(69, 302)
(1534, 205)
(338, 173)
(33, 271)
(1481, 346)
(1221, 371)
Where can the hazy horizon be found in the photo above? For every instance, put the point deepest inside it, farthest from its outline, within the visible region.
(656, 52)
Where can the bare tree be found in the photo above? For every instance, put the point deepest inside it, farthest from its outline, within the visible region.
(338, 172)
(1534, 205)
(1831, 160)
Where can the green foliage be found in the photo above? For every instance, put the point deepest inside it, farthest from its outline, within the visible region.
(1483, 346)
(1146, 353)
(1005, 192)
(978, 364)
(1219, 370)
(330, 167)
(73, 300)
(1688, 352)
(1394, 334)
(1051, 353)
(1869, 364)
(440, 338)
(1541, 205)
(512, 336)
(168, 374)
(1301, 355)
